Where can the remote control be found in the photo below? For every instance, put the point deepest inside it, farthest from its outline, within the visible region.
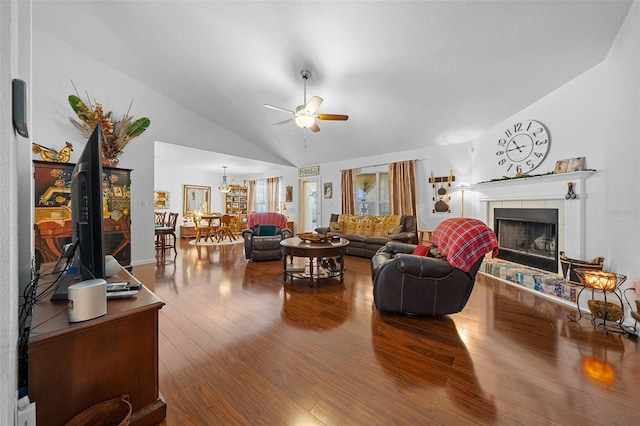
(121, 294)
(117, 286)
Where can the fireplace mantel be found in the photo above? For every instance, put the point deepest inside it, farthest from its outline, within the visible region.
(551, 187)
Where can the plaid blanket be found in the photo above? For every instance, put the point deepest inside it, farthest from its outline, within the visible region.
(267, 218)
(463, 241)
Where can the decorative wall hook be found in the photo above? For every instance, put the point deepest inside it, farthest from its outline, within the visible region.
(441, 196)
(571, 193)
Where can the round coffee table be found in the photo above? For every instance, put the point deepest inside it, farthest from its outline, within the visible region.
(296, 247)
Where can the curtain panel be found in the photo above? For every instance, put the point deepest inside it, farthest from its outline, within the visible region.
(402, 188)
(348, 190)
(273, 194)
(251, 197)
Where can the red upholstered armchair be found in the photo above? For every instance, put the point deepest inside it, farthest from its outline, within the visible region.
(432, 285)
(263, 235)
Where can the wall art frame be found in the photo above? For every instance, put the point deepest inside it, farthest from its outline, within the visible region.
(327, 190)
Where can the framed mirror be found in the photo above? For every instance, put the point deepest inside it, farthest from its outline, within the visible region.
(196, 199)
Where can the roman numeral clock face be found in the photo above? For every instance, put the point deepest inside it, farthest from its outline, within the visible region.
(523, 147)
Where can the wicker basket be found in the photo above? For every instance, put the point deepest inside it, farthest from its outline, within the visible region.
(570, 265)
(113, 412)
(314, 238)
(597, 308)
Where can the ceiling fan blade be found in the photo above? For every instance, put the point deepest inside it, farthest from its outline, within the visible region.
(314, 127)
(278, 108)
(313, 104)
(339, 117)
(289, 120)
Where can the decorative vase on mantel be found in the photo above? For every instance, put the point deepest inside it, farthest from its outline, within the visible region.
(110, 162)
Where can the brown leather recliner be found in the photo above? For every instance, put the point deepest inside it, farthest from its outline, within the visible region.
(263, 235)
(420, 285)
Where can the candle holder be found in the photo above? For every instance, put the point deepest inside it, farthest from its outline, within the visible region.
(600, 280)
(605, 282)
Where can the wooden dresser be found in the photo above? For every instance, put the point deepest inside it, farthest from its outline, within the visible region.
(73, 366)
(187, 231)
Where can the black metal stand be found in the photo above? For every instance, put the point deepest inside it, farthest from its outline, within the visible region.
(602, 322)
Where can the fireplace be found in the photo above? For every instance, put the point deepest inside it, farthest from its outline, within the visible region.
(528, 236)
(542, 192)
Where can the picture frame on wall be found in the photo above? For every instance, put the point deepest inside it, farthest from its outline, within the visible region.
(569, 165)
(288, 194)
(327, 190)
(576, 164)
(308, 171)
(561, 166)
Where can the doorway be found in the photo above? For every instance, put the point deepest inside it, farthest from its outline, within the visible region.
(309, 205)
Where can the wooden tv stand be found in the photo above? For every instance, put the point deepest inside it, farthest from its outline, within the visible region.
(73, 366)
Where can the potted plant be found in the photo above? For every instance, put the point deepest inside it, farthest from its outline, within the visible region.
(115, 134)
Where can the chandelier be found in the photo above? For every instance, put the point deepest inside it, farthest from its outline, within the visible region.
(224, 186)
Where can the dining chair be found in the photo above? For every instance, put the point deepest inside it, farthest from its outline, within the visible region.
(171, 233)
(160, 218)
(165, 232)
(203, 228)
(225, 229)
(159, 222)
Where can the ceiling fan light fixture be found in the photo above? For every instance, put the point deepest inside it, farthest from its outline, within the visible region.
(305, 121)
(305, 115)
(224, 187)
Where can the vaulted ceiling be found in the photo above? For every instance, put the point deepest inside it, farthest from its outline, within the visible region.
(409, 74)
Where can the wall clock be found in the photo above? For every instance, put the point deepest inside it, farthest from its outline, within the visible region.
(523, 147)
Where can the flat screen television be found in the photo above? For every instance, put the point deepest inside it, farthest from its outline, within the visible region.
(86, 217)
(87, 208)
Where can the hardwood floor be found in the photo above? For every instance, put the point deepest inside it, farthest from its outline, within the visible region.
(238, 347)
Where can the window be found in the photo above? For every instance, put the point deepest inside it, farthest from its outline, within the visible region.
(261, 195)
(372, 193)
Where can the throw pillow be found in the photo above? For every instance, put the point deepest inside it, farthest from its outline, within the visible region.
(267, 230)
(393, 229)
(336, 226)
(421, 250)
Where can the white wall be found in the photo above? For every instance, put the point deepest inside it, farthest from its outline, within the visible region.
(596, 115)
(15, 28)
(8, 239)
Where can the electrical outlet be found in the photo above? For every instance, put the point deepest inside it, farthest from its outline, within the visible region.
(26, 412)
(636, 286)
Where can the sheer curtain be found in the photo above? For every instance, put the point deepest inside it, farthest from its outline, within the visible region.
(273, 194)
(348, 190)
(402, 187)
(251, 197)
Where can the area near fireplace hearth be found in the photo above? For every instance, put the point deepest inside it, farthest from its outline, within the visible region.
(547, 283)
(534, 222)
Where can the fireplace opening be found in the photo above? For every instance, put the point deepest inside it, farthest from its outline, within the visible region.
(528, 236)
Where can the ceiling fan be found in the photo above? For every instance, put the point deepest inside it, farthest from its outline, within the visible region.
(304, 115)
